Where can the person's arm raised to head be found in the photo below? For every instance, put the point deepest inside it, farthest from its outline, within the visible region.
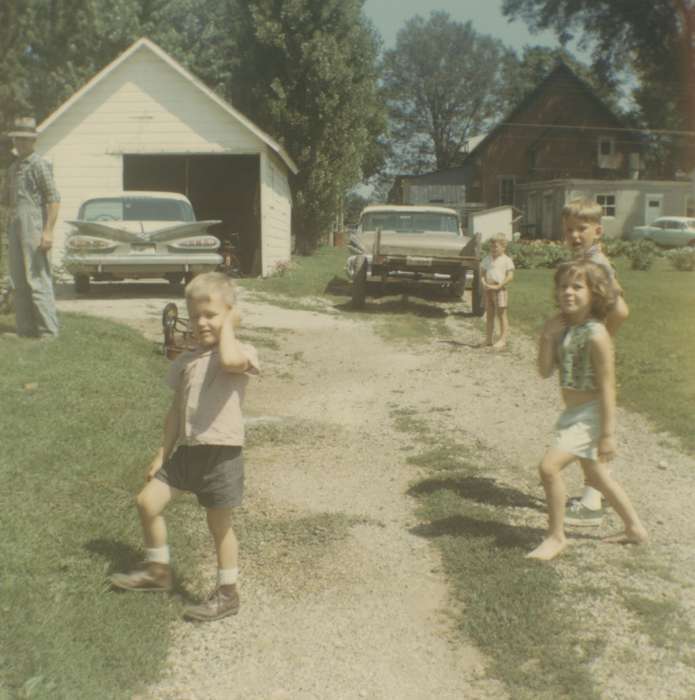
(232, 356)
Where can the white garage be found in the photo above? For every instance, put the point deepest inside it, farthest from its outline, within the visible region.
(145, 123)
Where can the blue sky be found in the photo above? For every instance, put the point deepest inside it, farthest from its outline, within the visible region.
(389, 16)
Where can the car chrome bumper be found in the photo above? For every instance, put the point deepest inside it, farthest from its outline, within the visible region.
(136, 264)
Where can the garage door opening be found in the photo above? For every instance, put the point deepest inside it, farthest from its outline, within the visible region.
(222, 187)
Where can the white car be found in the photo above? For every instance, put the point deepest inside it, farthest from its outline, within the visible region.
(136, 235)
(667, 231)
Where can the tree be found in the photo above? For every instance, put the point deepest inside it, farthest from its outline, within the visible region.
(443, 82)
(307, 74)
(16, 20)
(653, 37)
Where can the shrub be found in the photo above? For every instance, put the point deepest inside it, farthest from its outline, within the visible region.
(614, 247)
(641, 254)
(682, 259)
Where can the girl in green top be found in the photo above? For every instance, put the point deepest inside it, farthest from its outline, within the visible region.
(576, 342)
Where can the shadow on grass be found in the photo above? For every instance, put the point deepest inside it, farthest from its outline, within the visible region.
(122, 557)
(7, 326)
(338, 286)
(402, 305)
(481, 490)
(122, 290)
(508, 536)
(477, 345)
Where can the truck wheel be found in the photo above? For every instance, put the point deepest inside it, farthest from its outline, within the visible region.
(359, 287)
(477, 294)
(458, 286)
(82, 284)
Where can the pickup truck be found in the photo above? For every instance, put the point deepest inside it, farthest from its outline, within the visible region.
(411, 247)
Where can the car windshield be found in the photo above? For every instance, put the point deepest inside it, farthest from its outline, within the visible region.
(136, 209)
(410, 222)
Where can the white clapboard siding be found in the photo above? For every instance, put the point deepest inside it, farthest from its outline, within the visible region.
(276, 214)
(146, 103)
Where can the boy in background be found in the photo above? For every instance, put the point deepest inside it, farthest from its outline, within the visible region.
(582, 231)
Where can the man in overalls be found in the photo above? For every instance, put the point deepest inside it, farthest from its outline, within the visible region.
(33, 201)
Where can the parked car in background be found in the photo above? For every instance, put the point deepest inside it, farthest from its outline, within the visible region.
(138, 235)
(667, 231)
(410, 247)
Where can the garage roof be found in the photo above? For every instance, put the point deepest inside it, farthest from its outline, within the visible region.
(147, 44)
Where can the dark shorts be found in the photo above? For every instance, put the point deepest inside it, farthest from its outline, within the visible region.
(214, 473)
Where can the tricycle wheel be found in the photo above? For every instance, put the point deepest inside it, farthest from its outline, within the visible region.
(82, 284)
(170, 315)
(477, 301)
(359, 287)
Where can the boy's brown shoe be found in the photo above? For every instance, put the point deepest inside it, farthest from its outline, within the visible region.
(223, 601)
(153, 576)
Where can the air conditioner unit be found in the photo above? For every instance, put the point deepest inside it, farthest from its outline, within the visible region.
(609, 161)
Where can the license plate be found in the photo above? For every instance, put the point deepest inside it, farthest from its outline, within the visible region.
(415, 260)
(142, 249)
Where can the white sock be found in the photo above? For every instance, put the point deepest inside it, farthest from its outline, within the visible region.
(591, 498)
(158, 554)
(227, 577)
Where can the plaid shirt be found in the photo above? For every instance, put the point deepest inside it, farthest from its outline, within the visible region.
(29, 181)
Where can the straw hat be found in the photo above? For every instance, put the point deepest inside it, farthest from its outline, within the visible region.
(24, 127)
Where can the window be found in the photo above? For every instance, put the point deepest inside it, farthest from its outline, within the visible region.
(607, 201)
(417, 222)
(606, 146)
(506, 189)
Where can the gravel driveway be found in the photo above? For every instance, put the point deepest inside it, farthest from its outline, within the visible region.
(371, 619)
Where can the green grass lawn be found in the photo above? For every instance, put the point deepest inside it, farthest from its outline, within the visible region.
(655, 348)
(322, 273)
(81, 417)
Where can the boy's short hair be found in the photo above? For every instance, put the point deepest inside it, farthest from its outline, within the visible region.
(597, 280)
(584, 209)
(500, 238)
(207, 283)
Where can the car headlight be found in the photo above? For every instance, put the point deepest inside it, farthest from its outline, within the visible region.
(86, 243)
(196, 243)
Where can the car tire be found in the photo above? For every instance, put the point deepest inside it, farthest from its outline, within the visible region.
(82, 283)
(359, 287)
(477, 299)
(174, 279)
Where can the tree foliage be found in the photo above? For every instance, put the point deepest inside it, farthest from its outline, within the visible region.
(304, 70)
(653, 37)
(308, 75)
(443, 83)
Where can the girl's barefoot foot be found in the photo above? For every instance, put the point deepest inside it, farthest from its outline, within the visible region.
(500, 345)
(548, 549)
(637, 535)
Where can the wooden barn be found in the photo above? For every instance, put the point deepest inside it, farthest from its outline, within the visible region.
(145, 123)
(559, 142)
